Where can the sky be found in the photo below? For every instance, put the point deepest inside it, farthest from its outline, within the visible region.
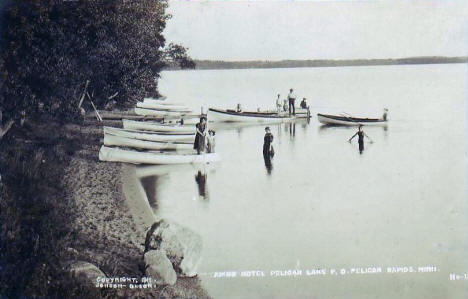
(276, 30)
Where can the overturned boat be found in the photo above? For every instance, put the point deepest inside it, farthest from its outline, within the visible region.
(327, 119)
(154, 126)
(257, 117)
(112, 154)
(112, 140)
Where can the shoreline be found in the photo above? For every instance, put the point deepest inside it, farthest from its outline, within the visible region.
(111, 220)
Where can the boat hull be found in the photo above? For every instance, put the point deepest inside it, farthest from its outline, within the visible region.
(157, 106)
(159, 113)
(150, 136)
(217, 115)
(110, 154)
(152, 126)
(112, 140)
(349, 121)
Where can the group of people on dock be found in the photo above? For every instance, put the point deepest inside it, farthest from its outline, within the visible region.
(289, 104)
(204, 143)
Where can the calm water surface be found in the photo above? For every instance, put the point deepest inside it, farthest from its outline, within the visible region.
(322, 204)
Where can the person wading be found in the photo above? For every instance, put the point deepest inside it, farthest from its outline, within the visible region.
(199, 143)
(360, 133)
(267, 140)
(291, 100)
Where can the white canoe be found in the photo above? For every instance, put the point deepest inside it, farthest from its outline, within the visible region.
(119, 155)
(149, 135)
(112, 140)
(153, 126)
(327, 119)
(162, 98)
(159, 113)
(160, 102)
(232, 116)
(157, 106)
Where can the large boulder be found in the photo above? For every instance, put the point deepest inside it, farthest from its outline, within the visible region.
(85, 272)
(158, 266)
(183, 246)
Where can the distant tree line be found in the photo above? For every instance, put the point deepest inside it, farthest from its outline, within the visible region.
(219, 64)
(50, 49)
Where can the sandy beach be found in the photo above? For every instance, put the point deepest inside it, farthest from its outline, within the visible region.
(111, 219)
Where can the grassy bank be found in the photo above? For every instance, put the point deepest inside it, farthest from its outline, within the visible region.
(59, 205)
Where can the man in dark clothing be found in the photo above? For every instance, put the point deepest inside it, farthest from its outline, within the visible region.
(292, 99)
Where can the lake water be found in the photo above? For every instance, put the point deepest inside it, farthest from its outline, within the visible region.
(322, 204)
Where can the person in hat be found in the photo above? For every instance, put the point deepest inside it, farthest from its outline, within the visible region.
(199, 143)
(267, 140)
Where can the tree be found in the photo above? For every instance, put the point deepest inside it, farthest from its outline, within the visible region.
(50, 48)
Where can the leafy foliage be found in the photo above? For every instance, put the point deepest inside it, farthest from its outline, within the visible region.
(50, 48)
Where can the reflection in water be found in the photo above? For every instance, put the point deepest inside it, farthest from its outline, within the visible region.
(361, 146)
(292, 129)
(200, 179)
(150, 184)
(268, 164)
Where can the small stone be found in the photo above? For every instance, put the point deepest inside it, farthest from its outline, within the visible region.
(85, 272)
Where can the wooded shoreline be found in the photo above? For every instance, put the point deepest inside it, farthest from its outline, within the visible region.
(218, 64)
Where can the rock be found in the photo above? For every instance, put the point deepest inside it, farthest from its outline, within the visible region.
(85, 272)
(158, 266)
(182, 246)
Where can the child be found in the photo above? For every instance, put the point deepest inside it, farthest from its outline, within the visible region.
(211, 143)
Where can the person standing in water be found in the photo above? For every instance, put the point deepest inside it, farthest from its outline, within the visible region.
(267, 141)
(385, 114)
(291, 100)
(360, 133)
(200, 136)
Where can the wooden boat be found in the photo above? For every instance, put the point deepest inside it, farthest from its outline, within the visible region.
(166, 107)
(348, 120)
(154, 126)
(257, 117)
(161, 102)
(300, 113)
(113, 154)
(161, 98)
(112, 140)
(150, 135)
(159, 113)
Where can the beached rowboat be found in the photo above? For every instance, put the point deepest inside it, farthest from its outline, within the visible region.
(119, 155)
(159, 113)
(153, 126)
(257, 117)
(157, 106)
(112, 140)
(348, 120)
(160, 102)
(151, 136)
